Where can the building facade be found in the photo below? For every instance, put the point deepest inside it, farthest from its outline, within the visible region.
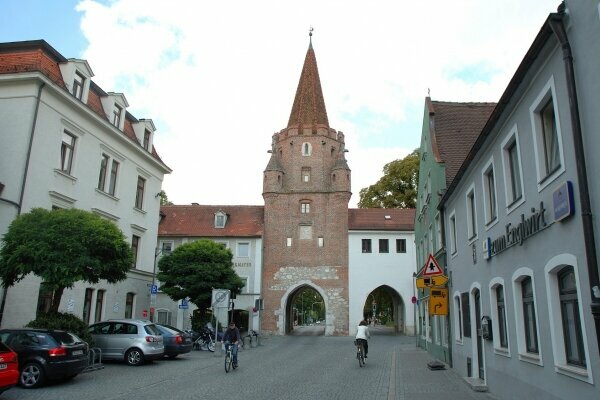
(73, 145)
(449, 130)
(518, 222)
(238, 228)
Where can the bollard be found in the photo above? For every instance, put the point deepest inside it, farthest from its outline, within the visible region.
(219, 347)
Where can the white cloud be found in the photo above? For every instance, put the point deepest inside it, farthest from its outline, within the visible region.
(219, 78)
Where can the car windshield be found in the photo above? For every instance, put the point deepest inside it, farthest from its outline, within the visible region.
(151, 329)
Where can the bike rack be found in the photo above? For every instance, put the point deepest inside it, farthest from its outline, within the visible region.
(94, 360)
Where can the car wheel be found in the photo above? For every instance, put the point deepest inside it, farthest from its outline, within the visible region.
(32, 376)
(134, 357)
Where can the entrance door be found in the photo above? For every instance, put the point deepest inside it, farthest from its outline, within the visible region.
(479, 334)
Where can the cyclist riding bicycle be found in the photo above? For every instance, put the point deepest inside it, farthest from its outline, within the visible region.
(232, 338)
(362, 334)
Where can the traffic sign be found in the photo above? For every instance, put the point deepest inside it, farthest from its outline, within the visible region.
(437, 280)
(154, 289)
(184, 304)
(438, 301)
(432, 267)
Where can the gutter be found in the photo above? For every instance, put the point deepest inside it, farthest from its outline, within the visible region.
(556, 23)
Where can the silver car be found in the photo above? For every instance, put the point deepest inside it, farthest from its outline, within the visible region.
(134, 341)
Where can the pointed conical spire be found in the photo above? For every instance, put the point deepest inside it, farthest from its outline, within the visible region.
(309, 104)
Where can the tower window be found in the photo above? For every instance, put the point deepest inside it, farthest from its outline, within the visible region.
(305, 174)
(305, 208)
(306, 149)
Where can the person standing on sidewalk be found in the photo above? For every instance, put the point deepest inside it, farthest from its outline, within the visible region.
(362, 334)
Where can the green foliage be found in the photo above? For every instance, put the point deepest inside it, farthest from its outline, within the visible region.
(164, 200)
(397, 188)
(194, 269)
(65, 322)
(63, 247)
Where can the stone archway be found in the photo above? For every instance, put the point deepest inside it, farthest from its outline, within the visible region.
(389, 310)
(305, 311)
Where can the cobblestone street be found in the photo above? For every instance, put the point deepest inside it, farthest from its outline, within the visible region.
(290, 367)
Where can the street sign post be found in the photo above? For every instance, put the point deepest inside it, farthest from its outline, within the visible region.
(438, 301)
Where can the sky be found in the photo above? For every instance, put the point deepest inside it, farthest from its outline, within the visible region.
(218, 78)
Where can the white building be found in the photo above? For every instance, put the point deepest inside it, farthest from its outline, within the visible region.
(69, 144)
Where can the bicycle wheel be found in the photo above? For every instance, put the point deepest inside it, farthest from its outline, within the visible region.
(361, 356)
(227, 361)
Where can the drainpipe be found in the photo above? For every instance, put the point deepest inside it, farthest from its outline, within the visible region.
(558, 28)
(443, 246)
(24, 181)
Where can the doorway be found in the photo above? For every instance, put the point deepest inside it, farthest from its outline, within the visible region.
(305, 312)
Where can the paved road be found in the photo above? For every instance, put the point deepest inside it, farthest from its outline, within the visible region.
(291, 367)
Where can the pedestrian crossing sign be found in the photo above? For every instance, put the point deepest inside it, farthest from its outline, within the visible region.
(432, 267)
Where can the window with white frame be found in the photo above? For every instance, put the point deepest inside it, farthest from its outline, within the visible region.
(78, 85)
(104, 174)
(243, 249)
(117, 115)
(458, 336)
(571, 323)
(384, 246)
(547, 135)
(166, 248)
(400, 245)
(220, 219)
(489, 192)
(135, 248)
(147, 136)
(452, 224)
(305, 174)
(67, 151)
(525, 314)
(498, 308)
(366, 245)
(511, 161)
(305, 207)
(471, 214)
(566, 319)
(163, 317)
(139, 194)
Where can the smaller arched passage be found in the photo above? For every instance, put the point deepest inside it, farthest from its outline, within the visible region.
(385, 308)
(305, 311)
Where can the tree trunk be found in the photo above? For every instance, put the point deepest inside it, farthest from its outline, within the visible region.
(56, 297)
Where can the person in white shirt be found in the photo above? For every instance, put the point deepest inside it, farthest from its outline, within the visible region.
(362, 334)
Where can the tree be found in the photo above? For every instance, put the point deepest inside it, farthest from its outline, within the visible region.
(63, 247)
(398, 186)
(164, 200)
(193, 269)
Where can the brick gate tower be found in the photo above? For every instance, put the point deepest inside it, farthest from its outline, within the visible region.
(306, 189)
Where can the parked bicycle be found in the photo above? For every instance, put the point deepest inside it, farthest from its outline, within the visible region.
(229, 357)
(360, 352)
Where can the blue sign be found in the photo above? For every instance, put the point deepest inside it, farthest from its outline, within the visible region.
(184, 304)
(562, 201)
(154, 289)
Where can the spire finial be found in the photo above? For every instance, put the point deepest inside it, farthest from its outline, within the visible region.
(310, 31)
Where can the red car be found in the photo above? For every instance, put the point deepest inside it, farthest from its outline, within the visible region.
(9, 368)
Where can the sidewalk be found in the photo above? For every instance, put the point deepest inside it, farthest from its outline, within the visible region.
(413, 380)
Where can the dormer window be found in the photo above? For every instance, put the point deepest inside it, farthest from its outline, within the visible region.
(147, 139)
(117, 111)
(220, 219)
(78, 85)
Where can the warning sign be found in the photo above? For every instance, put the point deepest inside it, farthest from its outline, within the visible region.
(432, 267)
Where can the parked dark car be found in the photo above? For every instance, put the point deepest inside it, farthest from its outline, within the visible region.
(176, 341)
(46, 354)
(9, 368)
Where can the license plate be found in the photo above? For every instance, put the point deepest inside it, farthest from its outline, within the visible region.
(77, 352)
(2, 366)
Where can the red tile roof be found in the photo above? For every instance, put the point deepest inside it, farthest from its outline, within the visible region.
(199, 221)
(309, 105)
(456, 127)
(39, 56)
(401, 219)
